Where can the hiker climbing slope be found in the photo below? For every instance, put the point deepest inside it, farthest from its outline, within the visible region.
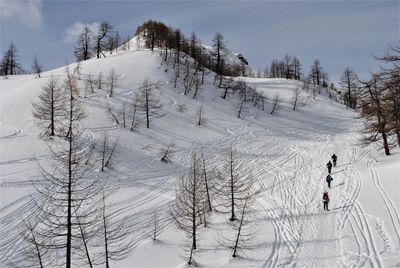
(328, 180)
(325, 200)
(334, 159)
(329, 166)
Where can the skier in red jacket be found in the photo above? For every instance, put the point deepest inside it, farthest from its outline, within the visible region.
(325, 199)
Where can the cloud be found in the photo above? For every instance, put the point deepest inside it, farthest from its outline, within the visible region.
(28, 12)
(72, 33)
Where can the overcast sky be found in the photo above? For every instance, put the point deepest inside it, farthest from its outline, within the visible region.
(339, 33)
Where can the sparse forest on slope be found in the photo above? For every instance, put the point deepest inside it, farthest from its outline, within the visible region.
(162, 151)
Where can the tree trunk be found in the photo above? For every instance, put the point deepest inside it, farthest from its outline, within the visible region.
(52, 113)
(194, 208)
(385, 142)
(349, 89)
(232, 189)
(84, 242)
(147, 114)
(98, 48)
(239, 231)
(69, 203)
(105, 234)
(398, 136)
(206, 182)
(225, 92)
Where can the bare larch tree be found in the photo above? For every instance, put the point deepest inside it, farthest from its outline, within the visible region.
(113, 81)
(348, 83)
(148, 100)
(84, 45)
(37, 68)
(50, 109)
(234, 184)
(68, 188)
(9, 64)
(187, 208)
(104, 32)
(373, 110)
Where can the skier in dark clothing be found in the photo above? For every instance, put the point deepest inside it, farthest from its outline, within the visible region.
(325, 199)
(328, 180)
(329, 166)
(334, 159)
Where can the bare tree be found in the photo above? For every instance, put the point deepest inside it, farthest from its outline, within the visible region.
(181, 108)
(348, 83)
(187, 209)
(234, 184)
(148, 101)
(289, 68)
(373, 110)
(197, 87)
(124, 115)
(393, 107)
(107, 152)
(390, 76)
(9, 64)
(275, 104)
(244, 229)
(100, 80)
(50, 109)
(295, 99)
(316, 71)
(36, 67)
(227, 85)
(157, 228)
(218, 52)
(297, 68)
(188, 83)
(325, 79)
(112, 113)
(84, 45)
(116, 244)
(67, 186)
(260, 100)
(240, 107)
(135, 122)
(176, 77)
(207, 185)
(90, 83)
(104, 32)
(306, 83)
(113, 81)
(200, 120)
(167, 152)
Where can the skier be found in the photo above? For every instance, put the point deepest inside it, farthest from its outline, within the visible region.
(328, 180)
(334, 159)
(329, 166)
(325, 199)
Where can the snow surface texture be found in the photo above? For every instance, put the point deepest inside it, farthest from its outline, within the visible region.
(286, 152)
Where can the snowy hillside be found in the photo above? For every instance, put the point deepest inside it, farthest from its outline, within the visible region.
(286, 152)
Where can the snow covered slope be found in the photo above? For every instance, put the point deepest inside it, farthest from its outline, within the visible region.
(286, 152)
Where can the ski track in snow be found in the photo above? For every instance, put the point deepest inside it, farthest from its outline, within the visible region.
(389, 205)
(300, 221)
(294, 211)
